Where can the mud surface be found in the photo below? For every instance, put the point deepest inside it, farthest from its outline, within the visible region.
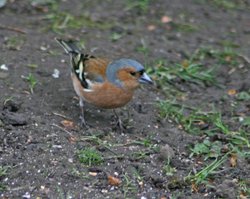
(40, 134)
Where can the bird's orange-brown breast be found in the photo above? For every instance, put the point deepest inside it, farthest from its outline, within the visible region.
(103, 95)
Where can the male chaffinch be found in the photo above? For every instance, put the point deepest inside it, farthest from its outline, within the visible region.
(101, 82)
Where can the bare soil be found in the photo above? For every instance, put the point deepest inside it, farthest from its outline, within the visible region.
(41, 153)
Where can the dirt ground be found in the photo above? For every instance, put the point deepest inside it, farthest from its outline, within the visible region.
(41, 141)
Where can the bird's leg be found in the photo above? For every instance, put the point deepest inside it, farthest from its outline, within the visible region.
(128, 115)
(119, 122)
(82, 118)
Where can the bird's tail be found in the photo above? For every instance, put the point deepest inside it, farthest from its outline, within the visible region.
(77, 59)
(70, 47)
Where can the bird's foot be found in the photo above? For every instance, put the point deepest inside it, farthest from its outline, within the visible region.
(120, 125)
(83, 123)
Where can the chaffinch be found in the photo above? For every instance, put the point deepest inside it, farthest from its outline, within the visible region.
(101, 82)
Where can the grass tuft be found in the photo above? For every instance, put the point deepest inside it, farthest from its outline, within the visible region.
(141, 5)
(32, 82)
(89, 157)
(201, 176)
(3, 173)
(169, 76)
(15, 42)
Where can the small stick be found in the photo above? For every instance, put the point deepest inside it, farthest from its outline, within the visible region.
(13, 29)
(62, 129)
(63, 116)
(245, 58)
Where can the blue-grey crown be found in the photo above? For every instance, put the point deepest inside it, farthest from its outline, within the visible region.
(116, 65)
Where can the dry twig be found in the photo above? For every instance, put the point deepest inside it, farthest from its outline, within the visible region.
(11, 28)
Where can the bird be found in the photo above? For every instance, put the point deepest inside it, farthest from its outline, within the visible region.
(102, 82)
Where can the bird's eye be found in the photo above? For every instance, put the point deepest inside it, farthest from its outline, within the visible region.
(133, 73)
(141, 72)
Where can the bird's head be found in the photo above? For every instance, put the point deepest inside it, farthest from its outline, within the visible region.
(127, 73)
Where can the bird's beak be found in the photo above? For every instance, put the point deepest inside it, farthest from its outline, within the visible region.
(145, 79)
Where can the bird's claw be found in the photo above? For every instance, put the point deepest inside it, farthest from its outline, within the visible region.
(120, 125)
(84, 123)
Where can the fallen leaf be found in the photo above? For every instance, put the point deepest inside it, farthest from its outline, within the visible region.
(228, 58)
(194, 188)
(185, 63)
(72, 139)
(231, 92)
(151, 27)
(68, 124)
(165, 19)
(233, 160)
(113, 180)
(243, 195)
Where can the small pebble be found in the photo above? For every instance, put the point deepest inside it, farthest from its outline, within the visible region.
(57, 146)
(43, 48)
(42, 187)
(241, 119)
(56, 73)
(104, 191)
(26, 195)
(4, 67)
